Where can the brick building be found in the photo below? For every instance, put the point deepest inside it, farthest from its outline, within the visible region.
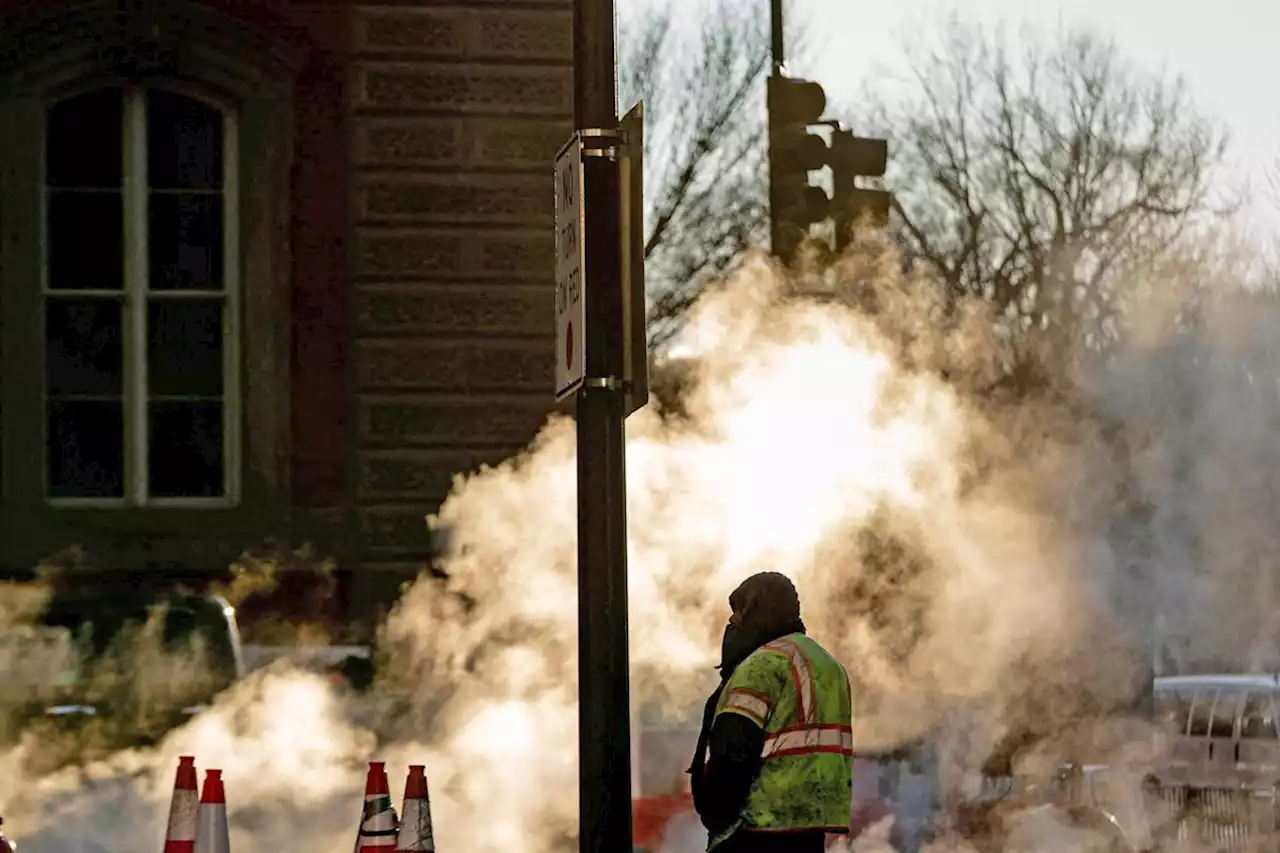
(269, 268)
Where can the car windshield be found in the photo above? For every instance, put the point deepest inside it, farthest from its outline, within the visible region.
(115, 639)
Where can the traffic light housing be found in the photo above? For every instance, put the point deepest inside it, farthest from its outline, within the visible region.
(854, 157)
(794, 106)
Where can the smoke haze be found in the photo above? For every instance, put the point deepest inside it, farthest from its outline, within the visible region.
(979, 564)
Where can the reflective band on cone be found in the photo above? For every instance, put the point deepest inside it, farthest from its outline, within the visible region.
(378, 825)
(415, 823)
(184, 808)
(211, 831)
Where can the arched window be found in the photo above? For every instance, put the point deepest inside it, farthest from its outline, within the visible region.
(146, 153)
(140, 298)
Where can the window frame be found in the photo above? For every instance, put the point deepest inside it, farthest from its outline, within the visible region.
(136, 297)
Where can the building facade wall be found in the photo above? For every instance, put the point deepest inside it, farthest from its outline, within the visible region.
(456, 112)
(413, 243)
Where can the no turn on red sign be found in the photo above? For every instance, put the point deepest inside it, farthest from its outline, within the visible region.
(571, 304)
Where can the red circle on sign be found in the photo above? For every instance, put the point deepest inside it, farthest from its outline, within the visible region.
(568, 345)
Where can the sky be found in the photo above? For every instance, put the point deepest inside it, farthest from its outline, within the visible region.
(1229, 59)
(1226, 50)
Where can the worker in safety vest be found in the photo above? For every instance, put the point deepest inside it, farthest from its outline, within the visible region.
(774, 762)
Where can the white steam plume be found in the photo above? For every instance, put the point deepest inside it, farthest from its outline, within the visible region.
(961, 556)
(1201, 410)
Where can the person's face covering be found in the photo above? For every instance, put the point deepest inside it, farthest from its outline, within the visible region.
(733, 645)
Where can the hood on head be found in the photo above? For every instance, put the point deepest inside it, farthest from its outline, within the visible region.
(767, 602)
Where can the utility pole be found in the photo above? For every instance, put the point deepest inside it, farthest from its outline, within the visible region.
(778, 47)
(604, 704)
(776, 39)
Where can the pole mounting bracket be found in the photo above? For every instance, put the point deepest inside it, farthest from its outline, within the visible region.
(606, 383)
(601, 142)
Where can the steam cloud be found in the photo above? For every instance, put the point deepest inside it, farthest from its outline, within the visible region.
(969, 560)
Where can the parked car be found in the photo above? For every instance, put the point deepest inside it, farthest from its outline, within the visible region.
(110, 670)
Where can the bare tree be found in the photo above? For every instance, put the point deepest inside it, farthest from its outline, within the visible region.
(1269, 272)
(705, 184)
(1046, 179)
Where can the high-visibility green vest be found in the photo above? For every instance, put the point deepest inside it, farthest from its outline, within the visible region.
(799, 694)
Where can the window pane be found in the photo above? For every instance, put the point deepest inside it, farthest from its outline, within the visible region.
(1200, 713)
(184, 347)
(1173, 710)
(1258, 717)
(82, 345)
(186, 450)
(1224, 714)
(85, 448)
(83, 141)
(184, 143)
(85, 240)
(186, 242)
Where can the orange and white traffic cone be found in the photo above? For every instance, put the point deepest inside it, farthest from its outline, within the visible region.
(184, 809)
(211, 830)
(415, 815)
(378, 825)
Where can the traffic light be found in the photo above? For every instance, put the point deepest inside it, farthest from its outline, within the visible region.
(854, 157)
(794, 106)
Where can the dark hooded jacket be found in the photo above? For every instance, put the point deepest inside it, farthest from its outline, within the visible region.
(727, 759)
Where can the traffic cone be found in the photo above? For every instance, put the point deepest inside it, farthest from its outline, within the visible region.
(211, 831)
(415, 815)
(378, 819)
(184, 809)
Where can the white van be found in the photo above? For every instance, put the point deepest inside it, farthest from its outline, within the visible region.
(1219, 773)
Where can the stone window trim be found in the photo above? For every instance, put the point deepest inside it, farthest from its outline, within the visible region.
(182, 46)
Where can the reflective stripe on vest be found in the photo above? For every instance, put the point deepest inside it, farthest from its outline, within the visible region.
(802, 676)
(752, 704)
(804, 740)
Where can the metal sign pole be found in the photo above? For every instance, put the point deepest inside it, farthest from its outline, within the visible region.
(604, 707)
